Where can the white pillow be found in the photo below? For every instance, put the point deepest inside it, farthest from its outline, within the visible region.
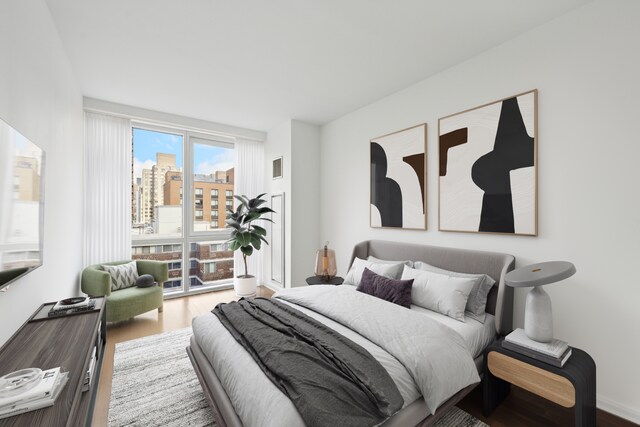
(477, 302)
(123, 275)
(392, 271)
(438, 292)
(385, 261)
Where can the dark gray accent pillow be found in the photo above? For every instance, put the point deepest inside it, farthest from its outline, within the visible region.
(395, 291)
(145, 281)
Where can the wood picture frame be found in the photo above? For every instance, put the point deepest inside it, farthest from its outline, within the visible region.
(488, 168)
(398, 179)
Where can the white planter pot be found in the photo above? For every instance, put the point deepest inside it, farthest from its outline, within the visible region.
(245, 286)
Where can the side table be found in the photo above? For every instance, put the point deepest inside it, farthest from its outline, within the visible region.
(573, 385)
(315, 280)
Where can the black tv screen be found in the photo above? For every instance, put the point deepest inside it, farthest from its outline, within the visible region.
(21, 204)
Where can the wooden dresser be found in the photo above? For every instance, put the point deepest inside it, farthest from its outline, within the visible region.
(68, 342)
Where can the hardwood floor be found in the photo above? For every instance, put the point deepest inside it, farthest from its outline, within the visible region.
(177, 314)
(520, 409)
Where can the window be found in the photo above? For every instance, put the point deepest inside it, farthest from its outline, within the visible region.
(210, 268)
(168, 166)
(219, 247)
(230, 204)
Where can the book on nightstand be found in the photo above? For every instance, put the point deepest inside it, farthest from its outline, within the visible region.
(555, 352)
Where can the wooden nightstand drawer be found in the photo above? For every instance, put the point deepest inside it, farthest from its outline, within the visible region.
(543, 383)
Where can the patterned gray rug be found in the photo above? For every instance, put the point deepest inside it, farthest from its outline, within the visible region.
(154, 384)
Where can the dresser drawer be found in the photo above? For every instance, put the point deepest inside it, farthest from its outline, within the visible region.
(545, 384)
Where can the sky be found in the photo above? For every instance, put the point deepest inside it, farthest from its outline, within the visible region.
(207, 159)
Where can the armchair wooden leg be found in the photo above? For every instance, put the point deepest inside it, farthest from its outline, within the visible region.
(161, 309)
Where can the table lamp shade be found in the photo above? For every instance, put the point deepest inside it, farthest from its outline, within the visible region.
(538, 318)
(326, 263)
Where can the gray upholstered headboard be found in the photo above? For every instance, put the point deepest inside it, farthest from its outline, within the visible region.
(496, 265)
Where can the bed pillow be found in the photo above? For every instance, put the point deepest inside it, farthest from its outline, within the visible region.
(439, 292)
(392, 271)
(123, 275)
(477, 302)
(395, 291)
(384, 261)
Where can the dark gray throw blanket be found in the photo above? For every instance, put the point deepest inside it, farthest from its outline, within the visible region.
(331, 380)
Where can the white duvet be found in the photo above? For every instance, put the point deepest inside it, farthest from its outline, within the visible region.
(423, 356)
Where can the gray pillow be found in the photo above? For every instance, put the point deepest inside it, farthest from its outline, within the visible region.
(439, 292)
(384, 261)
(477, 302)
(123, 275)
(392, 271)
(145, 281)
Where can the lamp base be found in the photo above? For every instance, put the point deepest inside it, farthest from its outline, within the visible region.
(538, 318)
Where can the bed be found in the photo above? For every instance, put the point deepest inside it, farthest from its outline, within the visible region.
(238, 390)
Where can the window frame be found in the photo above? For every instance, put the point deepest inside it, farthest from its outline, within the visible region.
(187, 195)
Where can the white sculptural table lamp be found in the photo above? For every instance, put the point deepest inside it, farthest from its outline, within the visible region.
(538, 318)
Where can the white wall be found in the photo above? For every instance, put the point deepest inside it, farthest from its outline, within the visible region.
(587, 69)
(39, 97)
(278, 144)
(298, 143)
(305, 210)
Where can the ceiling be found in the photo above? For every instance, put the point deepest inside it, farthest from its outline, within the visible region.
(257, 63)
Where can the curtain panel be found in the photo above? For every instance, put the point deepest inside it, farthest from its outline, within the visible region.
(249, 181)
(107, 189)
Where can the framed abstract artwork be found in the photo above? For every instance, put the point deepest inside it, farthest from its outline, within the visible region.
(488, 168)
(398, 179)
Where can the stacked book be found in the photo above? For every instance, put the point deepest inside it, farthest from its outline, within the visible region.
(72, 305)
(554, 353)
(42, 395)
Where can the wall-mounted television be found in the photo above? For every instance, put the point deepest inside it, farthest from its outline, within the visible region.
(21, 204)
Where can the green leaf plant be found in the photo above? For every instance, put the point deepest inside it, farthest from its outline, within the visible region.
(246, 236)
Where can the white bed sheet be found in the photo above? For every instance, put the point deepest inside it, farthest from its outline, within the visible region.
(476, 335)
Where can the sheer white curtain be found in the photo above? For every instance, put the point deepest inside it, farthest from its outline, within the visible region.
(107, 189)
(249, 180)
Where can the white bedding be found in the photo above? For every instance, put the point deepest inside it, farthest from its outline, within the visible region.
(259, 403)
(476, 336)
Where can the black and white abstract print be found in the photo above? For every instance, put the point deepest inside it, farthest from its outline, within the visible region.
(398, 179)
(488, 168)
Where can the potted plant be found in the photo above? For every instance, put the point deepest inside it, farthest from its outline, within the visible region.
(247, 237)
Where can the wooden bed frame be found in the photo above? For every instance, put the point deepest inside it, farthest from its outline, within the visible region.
(499, 303)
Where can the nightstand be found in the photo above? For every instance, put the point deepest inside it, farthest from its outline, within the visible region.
(315, 280)
(573, 385)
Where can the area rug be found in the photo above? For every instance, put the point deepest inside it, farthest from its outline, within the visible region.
(154, 384)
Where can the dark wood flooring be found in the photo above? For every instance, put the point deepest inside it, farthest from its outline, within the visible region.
(524, 409)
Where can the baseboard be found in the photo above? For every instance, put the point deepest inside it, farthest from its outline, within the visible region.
(618, 410)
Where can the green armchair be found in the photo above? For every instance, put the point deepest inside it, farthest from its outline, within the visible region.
(126, 303)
